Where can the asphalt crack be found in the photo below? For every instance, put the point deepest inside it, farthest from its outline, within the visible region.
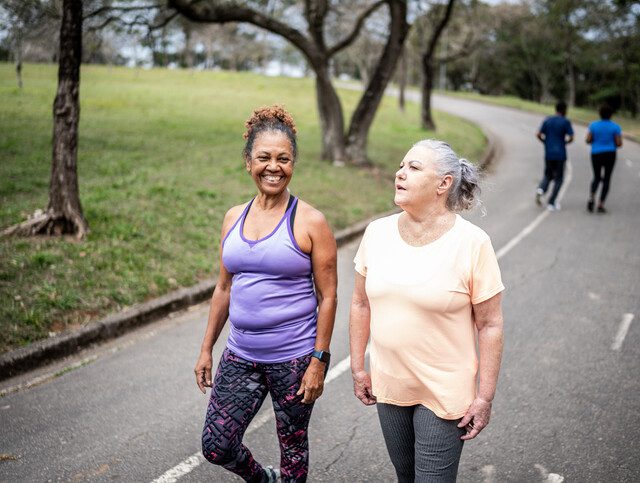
(347, 443)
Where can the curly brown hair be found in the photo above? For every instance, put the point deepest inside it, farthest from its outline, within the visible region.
(269, 118)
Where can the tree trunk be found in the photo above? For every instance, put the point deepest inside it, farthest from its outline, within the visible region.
(571, 83)
(427, 87)
(402, 79)
(363, 70)
(64, 212)
(543, 79)
(19, 72)
(19, 60)
(331, 117)
(427, 68)
(570, 68)
(187, 54)
(368, 105)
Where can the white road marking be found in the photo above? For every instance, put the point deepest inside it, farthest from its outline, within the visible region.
(181, 469)
(539, 219)
(622, 331)
(488, 474)
(594, 296)
(195, 460)
(549, 477)
(628, 162)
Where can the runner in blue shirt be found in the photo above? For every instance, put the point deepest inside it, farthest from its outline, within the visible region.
(605, 136)
(556, 132)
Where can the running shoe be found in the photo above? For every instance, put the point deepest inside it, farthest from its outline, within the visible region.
(539, 194)
(271, 474)
(553, 207)
(590, 206)
(601, 209)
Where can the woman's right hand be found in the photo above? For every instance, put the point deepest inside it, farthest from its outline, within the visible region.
(362, 387)
(203, 371)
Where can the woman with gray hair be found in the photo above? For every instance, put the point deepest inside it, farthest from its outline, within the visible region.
(427, 293)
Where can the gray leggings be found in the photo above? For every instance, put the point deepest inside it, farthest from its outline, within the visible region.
(422, 447)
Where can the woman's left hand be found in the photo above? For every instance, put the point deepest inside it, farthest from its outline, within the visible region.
(312, 383)
(476, 419)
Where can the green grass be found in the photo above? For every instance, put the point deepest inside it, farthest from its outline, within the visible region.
(580, 114)
(159, 164)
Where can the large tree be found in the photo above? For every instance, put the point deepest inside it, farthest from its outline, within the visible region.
(338, 144)
(63, 215)
(64, 211)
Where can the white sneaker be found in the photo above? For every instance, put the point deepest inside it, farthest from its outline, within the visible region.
(553, 207)
(539, 194)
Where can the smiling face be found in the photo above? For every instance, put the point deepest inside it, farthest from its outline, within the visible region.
(271, 162)
(418, 183)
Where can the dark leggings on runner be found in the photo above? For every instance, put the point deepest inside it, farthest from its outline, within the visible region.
(239, 388)
(602, 162)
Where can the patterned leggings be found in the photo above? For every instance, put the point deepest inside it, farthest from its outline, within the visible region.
(239, 388)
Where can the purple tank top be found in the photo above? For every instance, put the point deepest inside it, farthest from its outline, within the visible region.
(273, 308)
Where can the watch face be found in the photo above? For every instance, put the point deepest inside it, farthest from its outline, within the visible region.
(324, 356)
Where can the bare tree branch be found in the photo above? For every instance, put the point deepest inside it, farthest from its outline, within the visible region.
(137, 21)
(315, 12)
(211, 11)
(435, 36)
(348, 40)
(109, 9)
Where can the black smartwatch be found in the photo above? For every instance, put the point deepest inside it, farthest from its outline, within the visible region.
(323, 356)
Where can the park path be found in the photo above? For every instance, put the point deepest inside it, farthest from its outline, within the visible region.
(567, 403)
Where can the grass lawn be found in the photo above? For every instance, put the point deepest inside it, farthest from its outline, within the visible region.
(159, 164)
(579, 114)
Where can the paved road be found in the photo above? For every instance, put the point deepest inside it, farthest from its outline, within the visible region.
(568, 404)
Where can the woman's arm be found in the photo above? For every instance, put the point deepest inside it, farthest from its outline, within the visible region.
(325, 277)
(218, 311)
(359, 330)
(589, 138)
(488, 320)
(618, 140)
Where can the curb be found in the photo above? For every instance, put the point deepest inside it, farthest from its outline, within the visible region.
(42, 352)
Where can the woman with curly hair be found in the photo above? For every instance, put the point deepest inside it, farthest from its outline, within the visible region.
(277, 287)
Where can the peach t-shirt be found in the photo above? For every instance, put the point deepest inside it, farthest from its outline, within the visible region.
(423, 336)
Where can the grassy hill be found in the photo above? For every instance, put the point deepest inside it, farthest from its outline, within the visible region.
(159, 164)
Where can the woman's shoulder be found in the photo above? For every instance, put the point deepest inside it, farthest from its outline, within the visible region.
(231, 216)
(235, 211)
(310, 214)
